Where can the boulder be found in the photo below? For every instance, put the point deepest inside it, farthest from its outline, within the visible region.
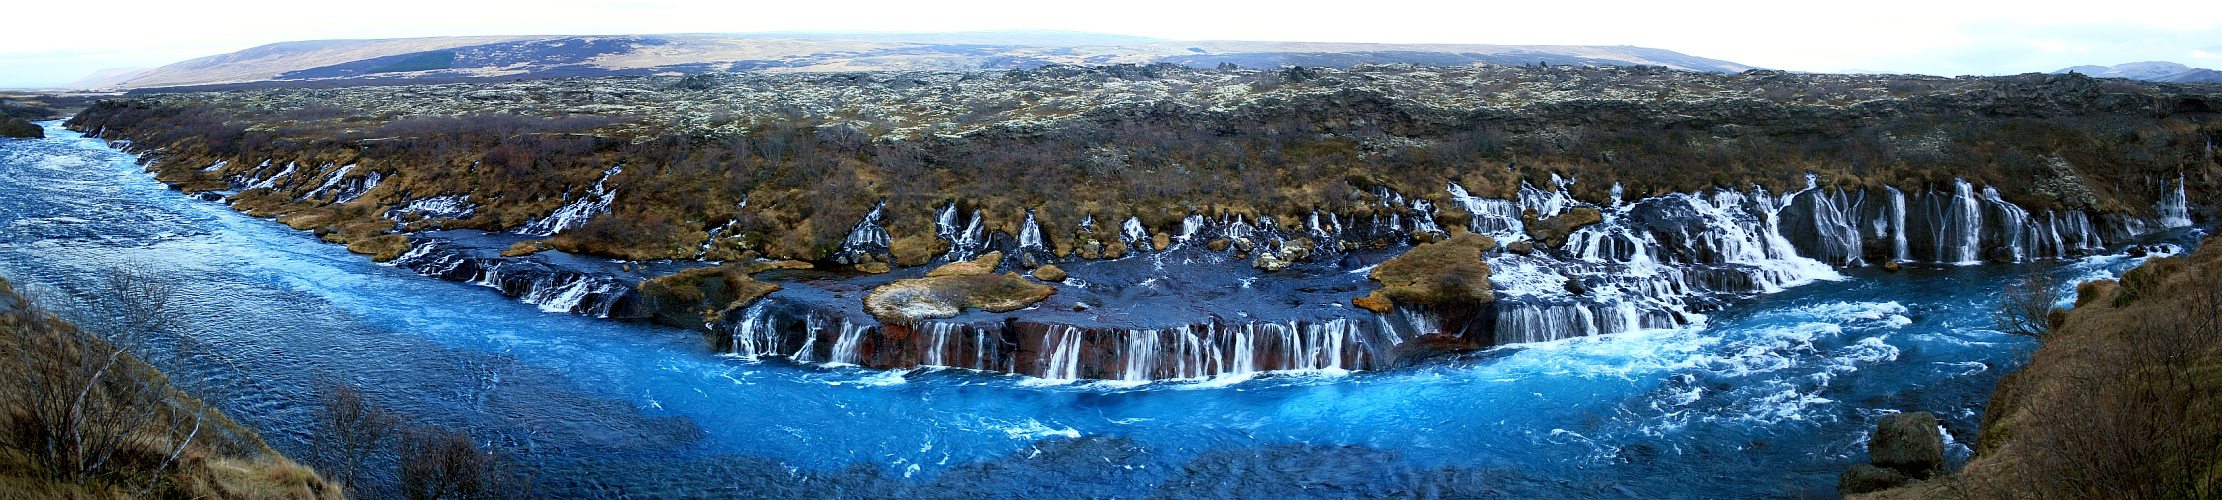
(1867, 478)
(1909, 443)
(907, 301)
(1049, 273)
(981, 265)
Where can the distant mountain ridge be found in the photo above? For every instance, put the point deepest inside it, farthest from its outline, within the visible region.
(2151, 71)
(430, 59)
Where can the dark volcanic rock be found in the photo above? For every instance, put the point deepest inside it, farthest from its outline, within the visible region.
(1866, 478)
(1909, 443)
(17, 128)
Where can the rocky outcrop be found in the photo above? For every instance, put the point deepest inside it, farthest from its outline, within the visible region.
(951, 289)
(12, 127)
(1443, 274)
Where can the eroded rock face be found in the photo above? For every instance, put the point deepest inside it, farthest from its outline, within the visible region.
(950, 289)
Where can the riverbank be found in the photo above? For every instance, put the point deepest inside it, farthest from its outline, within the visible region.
(2120, 402)
(135, 436)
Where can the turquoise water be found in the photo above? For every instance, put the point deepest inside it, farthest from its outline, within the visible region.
(1772, 397)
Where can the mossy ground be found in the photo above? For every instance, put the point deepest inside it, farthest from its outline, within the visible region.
(953, 288)
(1443, 273)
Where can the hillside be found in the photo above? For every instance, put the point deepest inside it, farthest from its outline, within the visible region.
(135, 436)
(457, 58)
(2120, 400)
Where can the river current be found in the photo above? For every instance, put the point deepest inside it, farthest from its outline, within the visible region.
(1771, 397)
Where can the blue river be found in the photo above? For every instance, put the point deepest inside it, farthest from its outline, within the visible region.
(1772, 397)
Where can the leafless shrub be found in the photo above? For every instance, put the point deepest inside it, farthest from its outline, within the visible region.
(81, 406)
(353, 430)
(446, 464)
(2027, 306)
(2134, 416)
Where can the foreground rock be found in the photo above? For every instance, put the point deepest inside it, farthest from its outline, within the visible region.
(17, 128)
(950, 289)
(1905, 447)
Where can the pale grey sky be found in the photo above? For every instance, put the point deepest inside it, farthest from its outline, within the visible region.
(52, 43)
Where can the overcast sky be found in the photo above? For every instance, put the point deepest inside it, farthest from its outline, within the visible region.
(50, 43)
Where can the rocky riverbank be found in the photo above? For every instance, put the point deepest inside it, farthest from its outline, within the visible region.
(1203, 222)
(2118, 403)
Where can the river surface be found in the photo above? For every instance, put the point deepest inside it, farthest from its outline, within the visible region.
(1772, 397)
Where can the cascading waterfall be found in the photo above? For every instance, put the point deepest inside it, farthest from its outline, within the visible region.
(967, 236)
(1499, 219)
(1030, 234)
(866, 239)
(269, 182)
(578, 211)
(443, 207)
(2174, 208)
(1136, 237)
(1063, 363)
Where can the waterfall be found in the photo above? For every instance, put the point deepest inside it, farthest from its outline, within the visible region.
(332, 178)
(1961, 233)
(1423, 217)
(2173, 208)
(967, 236)
(848, 347)
(1063, 362)
(1499, 219)
(1897, 218)
(1192, 227)
(753, 335)
(272, 181)
(866, 239)
(1030, 234)
(443, 206)
(578, 211)
(1136, 237)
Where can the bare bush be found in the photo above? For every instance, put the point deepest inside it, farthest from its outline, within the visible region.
(82, 407)
(2027, 305)
(446, 464)
(353, 430)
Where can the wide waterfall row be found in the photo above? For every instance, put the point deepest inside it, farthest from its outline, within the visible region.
(1661, 262)
(771, 328)
(553, 289)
